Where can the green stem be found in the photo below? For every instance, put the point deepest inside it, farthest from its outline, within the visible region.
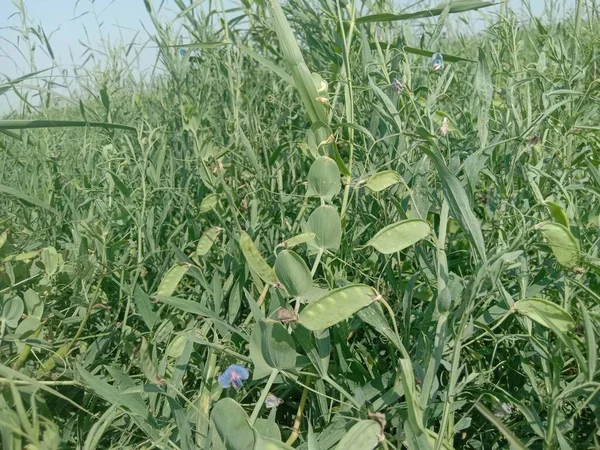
(316, 263)
(401, 347)
(298, 420)
(348, 98)
(260, 301)
(550, 427)
(263, 396)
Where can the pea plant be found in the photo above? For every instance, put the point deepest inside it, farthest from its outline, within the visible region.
(323, 225)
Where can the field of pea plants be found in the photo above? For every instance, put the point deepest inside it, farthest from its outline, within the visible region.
(318, 225)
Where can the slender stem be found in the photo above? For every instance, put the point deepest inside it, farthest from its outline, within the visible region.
(496, 325)
(401, 347)
(260, 301)
(296, 427)
(550, 427)
(263, 396)
(455, 367)
(316, 263)
(300, 215)
(204, 401)
(44, 383)
(348, 98)
(2, 331)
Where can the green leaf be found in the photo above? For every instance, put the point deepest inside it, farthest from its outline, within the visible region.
(324, 179)
(12, 310)
(115, 396)
(196, 308)
(313, 443)
(33, 303)
(261, 368)
(485, 91)
(277, 346)
(562, 242)
(25, 330)
(429, 54)
(544, 311)
(26, 198)
(295, 62)
(202, 45)
(171, 279)
(265, 443)
(415, 413)
(317, 137)
(231, 423)
(105, 99)
(143, 305)
(3, 238)
(558, 214)
(456, 6)
(383, 180)
(363, 434)
(373, 315)
(28, 124)
(186, 441)
(591, 341)
(335, 306)
(326, 224)
(267, 427)
(209, 237)
(255, 260)
(11, 83)
(459, 205)
(293, 273)
(49, 257)
(209, 203)
(268, 64)
(400, 235)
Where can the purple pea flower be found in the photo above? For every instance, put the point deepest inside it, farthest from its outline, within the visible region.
(437, 62)
(233, 376)
(397, 86)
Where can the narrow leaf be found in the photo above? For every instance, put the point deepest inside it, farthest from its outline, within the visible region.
(459, 205)
(27, 124)
(456, 6)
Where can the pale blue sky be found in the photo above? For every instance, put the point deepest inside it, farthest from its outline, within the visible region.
(68, 23)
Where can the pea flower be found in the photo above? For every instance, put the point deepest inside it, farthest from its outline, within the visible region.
(397, 86)
(502, 410)
(437, 62)
(444, 127)
(272, 401)
(182, 51)
(233, 376)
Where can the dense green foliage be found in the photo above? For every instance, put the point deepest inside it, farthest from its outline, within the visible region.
(405, 254)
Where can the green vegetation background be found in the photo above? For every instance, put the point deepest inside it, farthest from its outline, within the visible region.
(405, 254)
